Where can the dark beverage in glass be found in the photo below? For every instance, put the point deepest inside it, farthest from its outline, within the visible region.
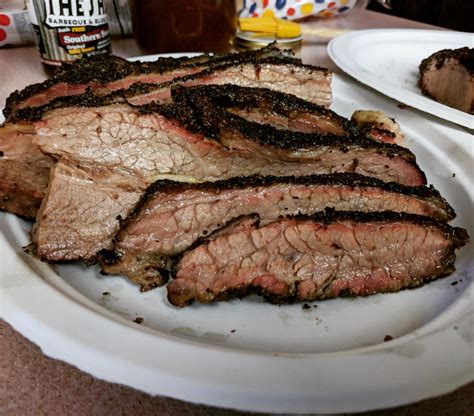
(183, 25)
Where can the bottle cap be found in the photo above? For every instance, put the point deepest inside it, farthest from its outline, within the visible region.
(254, 40)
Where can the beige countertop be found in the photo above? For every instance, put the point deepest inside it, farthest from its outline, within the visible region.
(33, 384)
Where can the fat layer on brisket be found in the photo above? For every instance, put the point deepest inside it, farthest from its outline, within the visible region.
(172, 216)
(316, 257)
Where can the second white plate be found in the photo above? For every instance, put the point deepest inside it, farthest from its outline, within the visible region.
(388, 59)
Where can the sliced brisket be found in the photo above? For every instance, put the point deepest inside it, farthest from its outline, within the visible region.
(265, 67)
(105, 74)
(277, 74)
(148, 143)
(305, 81)
(24, 171)
(448, 77)
(333, 145)
(82, 211)
(317, 257)
(129, 139)
(266, 106)
(171, 216)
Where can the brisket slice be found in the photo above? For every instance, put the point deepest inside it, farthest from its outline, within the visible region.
(249, 72)
(277, 74)
(305, 81)
(82, 211)
(171, 216)
(24, 171)
(448, 77)
(235, 132)
(148, 143)
(105, 74)
(178, 142)
(265, 106)
(317, 257)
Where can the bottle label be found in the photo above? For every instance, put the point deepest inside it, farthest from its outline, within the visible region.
(75, 13)
(69, 29)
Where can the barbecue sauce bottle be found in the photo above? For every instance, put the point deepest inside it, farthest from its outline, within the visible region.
(66, 30)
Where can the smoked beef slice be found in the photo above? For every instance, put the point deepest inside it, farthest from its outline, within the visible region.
(448, 77)
(104, 74)
(171, 216)
(24, 171)
(317, 257)
(247, 68)
(142, 144)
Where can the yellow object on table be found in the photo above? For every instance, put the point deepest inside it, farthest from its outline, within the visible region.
(269, 24)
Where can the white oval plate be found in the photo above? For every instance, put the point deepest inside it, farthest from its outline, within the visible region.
(388, 59)
(252, 355)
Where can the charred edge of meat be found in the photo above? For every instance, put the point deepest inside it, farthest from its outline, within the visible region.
(344, 178)
(247, 56)
(458, 236)
(109, 257)
(89, 99)
(100, 68)
(465, 56)
(104, 69)
(235, 96)
(166, 64)
(256, 62)
(204, 118)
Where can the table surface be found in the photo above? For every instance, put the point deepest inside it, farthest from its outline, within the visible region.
(33, 384)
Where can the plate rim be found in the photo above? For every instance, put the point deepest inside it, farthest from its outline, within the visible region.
(338, 47)
(88, 351)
